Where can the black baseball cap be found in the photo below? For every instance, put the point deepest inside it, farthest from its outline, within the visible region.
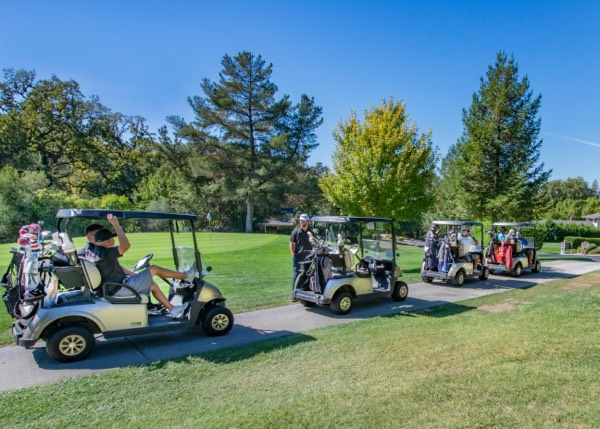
(103, 234)
(92, 227)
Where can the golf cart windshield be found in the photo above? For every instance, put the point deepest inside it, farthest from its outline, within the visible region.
(365, 236)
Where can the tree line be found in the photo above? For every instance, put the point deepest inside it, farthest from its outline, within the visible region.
(244, 155)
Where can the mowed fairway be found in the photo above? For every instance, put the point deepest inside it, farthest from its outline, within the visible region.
(253, 271)
(527, 358)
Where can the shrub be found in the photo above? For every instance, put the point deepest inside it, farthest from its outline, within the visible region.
(595, 251)
(576, 241)
(591, 247)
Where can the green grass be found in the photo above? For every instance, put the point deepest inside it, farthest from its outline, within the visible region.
(551, 248)
(525, 358)
(253, 271)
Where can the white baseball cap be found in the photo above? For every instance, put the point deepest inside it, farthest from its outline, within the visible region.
(304, 216)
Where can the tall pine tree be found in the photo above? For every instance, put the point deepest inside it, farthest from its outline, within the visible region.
(493, 171)
(247, 143)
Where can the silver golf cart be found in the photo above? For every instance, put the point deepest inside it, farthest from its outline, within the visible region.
(447, 257)
(353, 256)
(86, 307)
(513, 251)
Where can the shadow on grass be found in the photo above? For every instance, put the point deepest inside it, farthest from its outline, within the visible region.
(234, 354)
(178, 346)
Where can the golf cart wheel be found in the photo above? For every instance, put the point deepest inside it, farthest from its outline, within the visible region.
(217, 321)
(427, 279)
(537, 268)
(70, 343)
(307, 303)
(485, 273)
(518, 270)
(459, 279)
(342, 303)
(400, 292)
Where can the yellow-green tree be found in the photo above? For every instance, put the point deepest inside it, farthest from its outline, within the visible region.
(382, 166)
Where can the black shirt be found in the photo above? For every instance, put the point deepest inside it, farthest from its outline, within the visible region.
(108, 264)
(302, 240)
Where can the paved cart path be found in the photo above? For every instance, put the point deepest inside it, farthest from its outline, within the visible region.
(20, 367)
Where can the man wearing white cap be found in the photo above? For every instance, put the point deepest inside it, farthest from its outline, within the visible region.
(300, 246)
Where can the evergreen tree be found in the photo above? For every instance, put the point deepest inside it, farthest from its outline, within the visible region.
(497, 157)
(382, 166)
(247, 145)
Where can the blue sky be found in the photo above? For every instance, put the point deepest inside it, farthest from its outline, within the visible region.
(147, 57)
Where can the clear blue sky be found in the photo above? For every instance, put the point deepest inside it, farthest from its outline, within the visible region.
(146, 57)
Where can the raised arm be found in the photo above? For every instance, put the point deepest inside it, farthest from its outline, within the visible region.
(124, 244)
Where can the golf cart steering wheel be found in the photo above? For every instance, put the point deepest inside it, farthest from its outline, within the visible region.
(143, 263)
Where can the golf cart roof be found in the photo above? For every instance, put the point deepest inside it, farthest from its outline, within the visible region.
(513, 224)
(121, 214)
(457, 223)
(350, 219)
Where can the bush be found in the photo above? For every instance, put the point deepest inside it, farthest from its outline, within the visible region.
(576, 241)
(591, 247)
(559, 231)
(595, 251)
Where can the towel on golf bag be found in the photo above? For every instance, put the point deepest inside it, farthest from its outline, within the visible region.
(321, 274)
(508, 256)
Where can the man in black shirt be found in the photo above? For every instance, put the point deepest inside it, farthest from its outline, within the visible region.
(142, 282)
(300, 246)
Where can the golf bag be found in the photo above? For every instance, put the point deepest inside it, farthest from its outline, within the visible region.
(445, 257)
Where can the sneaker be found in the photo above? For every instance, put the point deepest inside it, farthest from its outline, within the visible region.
(157, 308)
(178, 310)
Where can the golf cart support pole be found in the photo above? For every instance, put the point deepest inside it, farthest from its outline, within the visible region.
(197, 252)
(175, 258)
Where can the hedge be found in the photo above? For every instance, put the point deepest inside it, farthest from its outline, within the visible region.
(576, 241)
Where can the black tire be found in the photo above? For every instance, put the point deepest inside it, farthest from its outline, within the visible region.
(485, 274)
(307, 303)
(426, 279)
(459, 278)
(400, 292)
(518, 270)
(70, 343)
(217, 321)
(342, 302)
(537, 267)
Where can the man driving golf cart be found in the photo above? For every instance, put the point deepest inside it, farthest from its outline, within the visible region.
(458, 254)
(512, 252)
(87, 306)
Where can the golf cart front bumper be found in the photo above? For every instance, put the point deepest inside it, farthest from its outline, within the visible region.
(307, 295)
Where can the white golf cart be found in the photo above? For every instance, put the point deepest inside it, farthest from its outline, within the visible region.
(449, 257)
(353, 256)
(510, 250)
(85, 307)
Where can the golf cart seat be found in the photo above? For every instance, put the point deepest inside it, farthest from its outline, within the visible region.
(343, 261)
(94, 281)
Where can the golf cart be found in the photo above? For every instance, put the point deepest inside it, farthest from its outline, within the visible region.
(512, 252)
(354, 256)
(449, 256)
(84, 307)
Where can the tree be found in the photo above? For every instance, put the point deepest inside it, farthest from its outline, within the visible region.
(497, 156)
(77, 143)
(382, 166)
(247, 145)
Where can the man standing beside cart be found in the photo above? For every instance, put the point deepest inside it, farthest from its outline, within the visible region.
(300, 245)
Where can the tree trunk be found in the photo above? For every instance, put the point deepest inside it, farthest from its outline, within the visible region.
(249, 216)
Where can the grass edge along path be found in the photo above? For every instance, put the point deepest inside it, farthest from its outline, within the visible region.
(524, 358)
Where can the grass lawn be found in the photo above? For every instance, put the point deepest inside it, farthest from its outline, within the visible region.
(551, 248)
(253, 271)
(525, 358)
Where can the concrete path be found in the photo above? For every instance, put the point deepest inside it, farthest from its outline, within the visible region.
(20, 367)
